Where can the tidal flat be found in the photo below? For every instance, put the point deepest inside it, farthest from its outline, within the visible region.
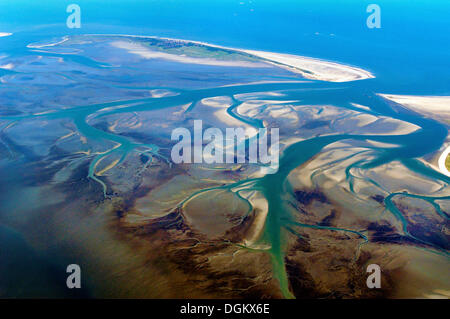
(87, 178)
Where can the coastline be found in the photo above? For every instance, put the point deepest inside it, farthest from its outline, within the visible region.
(442, 162)
(150, 54)
(320, 69)
(309, 68)
(437, 107)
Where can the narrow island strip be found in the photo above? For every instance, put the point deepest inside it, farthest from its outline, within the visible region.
(309, 68)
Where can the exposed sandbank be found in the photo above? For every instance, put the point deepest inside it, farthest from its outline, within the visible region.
(442, 162)
(437, 107)
(309, 68)
(136, 48)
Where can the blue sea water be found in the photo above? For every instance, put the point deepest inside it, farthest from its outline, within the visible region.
(409, 54)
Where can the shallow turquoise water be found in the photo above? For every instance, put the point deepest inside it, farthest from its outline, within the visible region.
(408, 56)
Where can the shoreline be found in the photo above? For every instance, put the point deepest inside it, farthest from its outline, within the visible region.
(310, 68)
(442, 162)
(437, 107)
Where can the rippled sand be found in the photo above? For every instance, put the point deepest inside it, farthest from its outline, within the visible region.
(89, 150)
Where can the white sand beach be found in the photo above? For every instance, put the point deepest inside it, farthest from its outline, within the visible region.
(315, 69)
(309, 68)
(437, 107)
(442, 160)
